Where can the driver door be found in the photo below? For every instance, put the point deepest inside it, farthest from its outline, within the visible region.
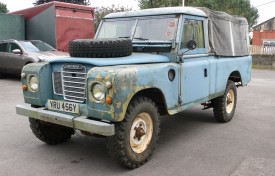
(195, 71)
(15, 62)
(3, 57)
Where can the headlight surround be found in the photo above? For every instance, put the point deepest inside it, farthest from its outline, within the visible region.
(33, 83)
(98, 91)
(23, 75)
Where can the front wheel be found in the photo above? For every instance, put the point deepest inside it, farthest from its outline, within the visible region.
(50, 133)
(136, 136)
(225, 105)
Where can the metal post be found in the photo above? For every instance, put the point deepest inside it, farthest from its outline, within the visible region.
(183, 3)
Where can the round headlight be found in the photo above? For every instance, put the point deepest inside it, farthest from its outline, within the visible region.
(98, 91)
(33, 83)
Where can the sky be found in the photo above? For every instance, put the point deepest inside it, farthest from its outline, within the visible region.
(266, 11)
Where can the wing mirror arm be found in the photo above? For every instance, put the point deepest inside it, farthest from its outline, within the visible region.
(191, 45)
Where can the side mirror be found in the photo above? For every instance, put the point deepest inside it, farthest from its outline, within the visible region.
(191, 44)
(16, 51)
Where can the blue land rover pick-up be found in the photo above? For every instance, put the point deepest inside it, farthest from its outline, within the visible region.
(141, 65)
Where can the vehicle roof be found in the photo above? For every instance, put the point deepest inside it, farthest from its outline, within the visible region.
(8, 40)
(13, 40)
(158, 11)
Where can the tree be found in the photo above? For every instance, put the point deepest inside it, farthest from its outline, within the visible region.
(145, 4)
(3, 8)
(100, 12)
(81, 2)
(234, 7)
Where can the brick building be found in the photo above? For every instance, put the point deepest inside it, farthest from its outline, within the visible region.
(264, 33)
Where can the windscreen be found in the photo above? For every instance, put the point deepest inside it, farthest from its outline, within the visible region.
(36, 46)
(151, 28)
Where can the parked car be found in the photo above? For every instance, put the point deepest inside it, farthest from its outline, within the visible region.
(14, 54)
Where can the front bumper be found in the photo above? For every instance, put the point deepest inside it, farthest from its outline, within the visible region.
(76, 122)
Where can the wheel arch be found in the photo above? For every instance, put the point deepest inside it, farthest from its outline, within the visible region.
(235, 76)
(156, 95)
(28, 62)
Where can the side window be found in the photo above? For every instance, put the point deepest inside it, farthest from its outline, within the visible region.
(3, 47)
(193, 30)
(13, 46)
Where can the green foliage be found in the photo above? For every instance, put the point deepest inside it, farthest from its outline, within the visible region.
(100, 12)
(233, 7)
(145, 4)
(3, 8)
(81, 2)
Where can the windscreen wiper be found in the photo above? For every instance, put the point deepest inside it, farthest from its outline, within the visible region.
(140, 38)
(125, 37)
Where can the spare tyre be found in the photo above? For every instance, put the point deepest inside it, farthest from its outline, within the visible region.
(100, 47)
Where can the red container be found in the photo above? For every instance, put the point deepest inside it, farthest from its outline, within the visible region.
(57, 23)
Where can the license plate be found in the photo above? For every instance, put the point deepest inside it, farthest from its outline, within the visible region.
(63, 106)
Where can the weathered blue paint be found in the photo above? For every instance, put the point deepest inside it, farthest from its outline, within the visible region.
(43, 72)
(226, 65)
(135, 58)
(131, 80)
(127, 81)
(99, 110)
(196, 85)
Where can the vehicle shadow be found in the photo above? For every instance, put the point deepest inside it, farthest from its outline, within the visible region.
(90, 153)
(184, 124)
(10, 77)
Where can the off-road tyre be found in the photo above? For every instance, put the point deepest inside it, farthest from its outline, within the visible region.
(100, 48)
(50, 133)
(119, 145)
(221, 113)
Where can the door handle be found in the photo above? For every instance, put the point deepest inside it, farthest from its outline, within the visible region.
(205, 72)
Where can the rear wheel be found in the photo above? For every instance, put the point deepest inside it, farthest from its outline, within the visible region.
(136, 136)
(50, 133)
(225, 105)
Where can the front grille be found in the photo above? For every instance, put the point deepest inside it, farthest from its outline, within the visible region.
(70, 82)
(57, 83)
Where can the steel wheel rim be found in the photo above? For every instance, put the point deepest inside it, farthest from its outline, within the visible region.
(141, 132)
(230, 101)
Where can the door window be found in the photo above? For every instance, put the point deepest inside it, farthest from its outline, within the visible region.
(13, 46)
(193, 30)
(3, 47)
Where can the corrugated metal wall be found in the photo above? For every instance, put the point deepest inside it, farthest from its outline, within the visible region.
(42, 27)
(12, 27)
(73, 24)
